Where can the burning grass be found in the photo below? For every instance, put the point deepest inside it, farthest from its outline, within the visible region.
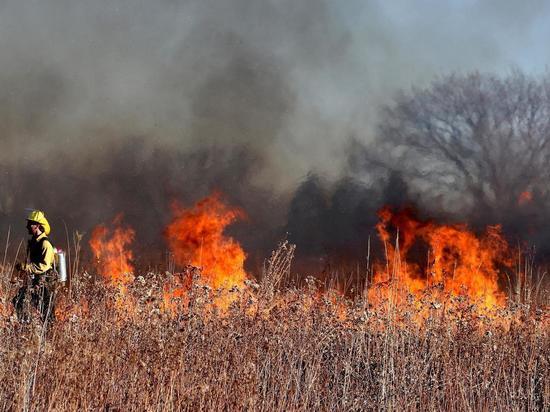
(208, 337)
(291, 349)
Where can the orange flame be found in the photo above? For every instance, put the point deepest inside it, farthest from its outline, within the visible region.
(459, 262)
(176, 288)
(196, 237)
(111, 252)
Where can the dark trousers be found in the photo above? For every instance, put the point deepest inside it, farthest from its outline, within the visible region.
(36, 294)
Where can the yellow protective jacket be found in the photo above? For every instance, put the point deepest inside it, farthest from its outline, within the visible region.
(40, 255)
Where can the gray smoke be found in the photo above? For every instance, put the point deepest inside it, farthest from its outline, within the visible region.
(121, 105)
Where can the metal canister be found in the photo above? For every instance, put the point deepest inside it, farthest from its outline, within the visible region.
(61, 266)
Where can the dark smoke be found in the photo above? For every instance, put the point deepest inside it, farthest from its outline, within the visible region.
(109, 107)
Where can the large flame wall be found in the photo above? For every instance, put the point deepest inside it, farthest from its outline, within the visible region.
(458, 262)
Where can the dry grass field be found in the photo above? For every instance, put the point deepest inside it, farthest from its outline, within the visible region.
(145, 347)
(446, 337)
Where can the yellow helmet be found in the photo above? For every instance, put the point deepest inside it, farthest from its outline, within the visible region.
(39, 217)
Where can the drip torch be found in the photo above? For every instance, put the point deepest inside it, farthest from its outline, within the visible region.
(61, 265)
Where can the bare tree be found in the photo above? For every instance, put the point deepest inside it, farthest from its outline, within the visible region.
(479, 138)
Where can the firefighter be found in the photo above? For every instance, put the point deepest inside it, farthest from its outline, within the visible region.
(38, 270)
